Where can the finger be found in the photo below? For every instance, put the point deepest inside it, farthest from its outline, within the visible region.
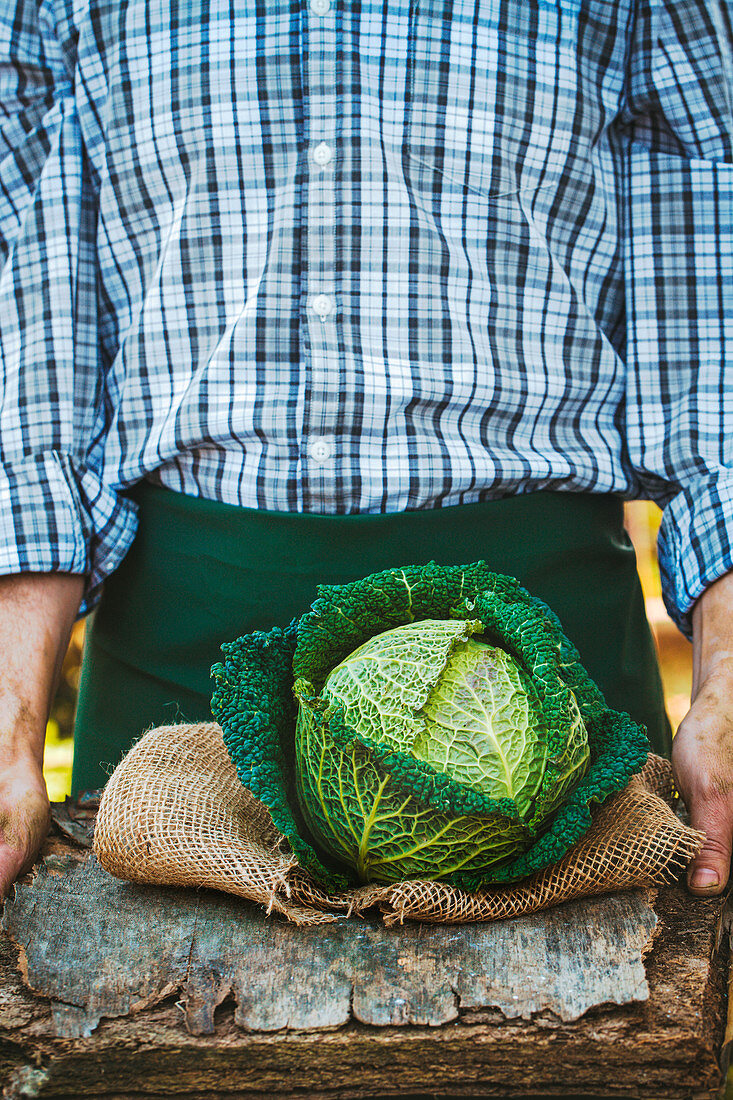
(708, 873)
(11, 864)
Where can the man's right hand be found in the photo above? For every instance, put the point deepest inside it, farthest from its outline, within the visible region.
(24, 818)
(37, 611)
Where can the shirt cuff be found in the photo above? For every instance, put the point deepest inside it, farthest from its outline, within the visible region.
(55, 518)
(695, 545)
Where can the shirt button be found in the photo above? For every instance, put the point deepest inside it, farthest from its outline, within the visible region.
(323, 305)
(322, 153)
(320, 450)
(320, 7)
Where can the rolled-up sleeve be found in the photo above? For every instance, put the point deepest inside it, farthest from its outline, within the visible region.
(56, 513)
(678, 262)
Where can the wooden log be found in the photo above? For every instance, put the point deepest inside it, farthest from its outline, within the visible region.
(113, 990)
(100, 947)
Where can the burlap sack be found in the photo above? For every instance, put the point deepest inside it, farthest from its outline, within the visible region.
(174, 813)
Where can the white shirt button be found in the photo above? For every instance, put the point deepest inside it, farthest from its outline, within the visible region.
(320, 7)
(320, 449)
(323, 305)
(322, 153)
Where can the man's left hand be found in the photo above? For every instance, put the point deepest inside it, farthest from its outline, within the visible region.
(702, 750)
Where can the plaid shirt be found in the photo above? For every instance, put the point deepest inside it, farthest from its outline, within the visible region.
(343, 256)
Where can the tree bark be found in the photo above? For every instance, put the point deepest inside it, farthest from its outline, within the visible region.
(109, 990)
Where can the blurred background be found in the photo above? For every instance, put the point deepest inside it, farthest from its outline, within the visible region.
(675, 652)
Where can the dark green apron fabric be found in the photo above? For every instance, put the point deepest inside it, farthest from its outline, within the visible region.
(201, 573)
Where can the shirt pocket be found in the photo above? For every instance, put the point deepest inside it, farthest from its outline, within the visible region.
(492, 94)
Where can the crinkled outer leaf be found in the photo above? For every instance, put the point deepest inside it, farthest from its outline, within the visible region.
(253, 702)
(344, 617)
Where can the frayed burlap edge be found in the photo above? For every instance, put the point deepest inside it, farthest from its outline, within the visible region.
(174, 813)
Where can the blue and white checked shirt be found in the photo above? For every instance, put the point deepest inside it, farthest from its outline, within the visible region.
(348, 256)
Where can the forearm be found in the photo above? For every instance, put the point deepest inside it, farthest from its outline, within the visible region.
(712, 625)
(37, 612)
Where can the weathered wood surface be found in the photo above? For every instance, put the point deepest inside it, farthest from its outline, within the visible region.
(98, 946)
(163, 993)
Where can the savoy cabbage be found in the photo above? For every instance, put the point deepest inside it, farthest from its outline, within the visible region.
(425, 722)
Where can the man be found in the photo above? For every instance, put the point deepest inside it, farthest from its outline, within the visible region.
(307, 291)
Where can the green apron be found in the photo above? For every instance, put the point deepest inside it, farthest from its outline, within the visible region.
(201, 573)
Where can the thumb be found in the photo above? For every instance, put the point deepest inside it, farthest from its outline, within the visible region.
(708, 873)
